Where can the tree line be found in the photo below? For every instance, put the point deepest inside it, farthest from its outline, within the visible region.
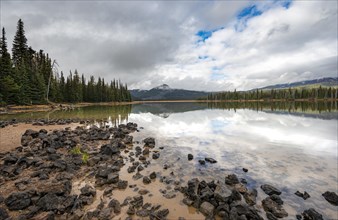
(28, 77)
(302, 93)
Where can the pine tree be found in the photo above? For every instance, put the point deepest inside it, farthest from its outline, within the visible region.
(20, 47)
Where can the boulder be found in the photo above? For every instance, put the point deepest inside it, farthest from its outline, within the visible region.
(207, 209)
(58, 188)
(10, 159)
(210, 160)
(109, 149)
(331, 197)
(115, 204)
(304, 195)
(156, 155)
(202, 162)
(113, 178)
(152, 175)
(150, 142)
(18, 201)
(88, 190)
(270, 190)
(146, 180)
(231, 179)
(222, 193)
(190, 157)
(274, 208)
(50, 202)
(3, 214)
(161, 214)
(312, 214)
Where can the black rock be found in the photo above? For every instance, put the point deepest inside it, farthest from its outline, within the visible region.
(18, 201)
(231, 179)
(10, 159)
(250, 197)
(161, 214)
(190, 157)
(109, 149)
(152, 175)
(210, 160)
(131, 210)
(145, 151)
(312, 214)
(274, 208)
(245, 170)
(202, 162)
(88, 190)
(32, 133)
(149, 142)
(146, 180)
(331, 197)
(270, 190)
(235, 195)
(156, 155)
(115, 204)
(298, 217)
(3, 214)
(112, 178)
(122, 184)
(49, 202)
(304, 195)
(277, 199)
(50, 150)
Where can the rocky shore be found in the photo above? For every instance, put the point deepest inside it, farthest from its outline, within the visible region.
(101, 172)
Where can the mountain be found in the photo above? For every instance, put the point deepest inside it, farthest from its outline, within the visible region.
(328, 81)
(164, 92)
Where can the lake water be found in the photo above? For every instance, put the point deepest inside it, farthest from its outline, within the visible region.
(290, 146)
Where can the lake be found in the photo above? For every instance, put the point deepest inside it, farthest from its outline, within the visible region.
(292, 146)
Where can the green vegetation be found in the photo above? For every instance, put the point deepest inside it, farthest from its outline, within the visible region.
(279, 94)
(28, 76)
(77, 151)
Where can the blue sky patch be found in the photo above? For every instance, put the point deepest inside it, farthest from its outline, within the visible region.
(205, 34)
(286, 4)
(249, 12)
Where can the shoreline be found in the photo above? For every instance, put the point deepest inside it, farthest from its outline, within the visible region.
(59, 106)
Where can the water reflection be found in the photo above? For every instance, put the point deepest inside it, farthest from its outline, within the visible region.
(324, 110)
(285, 150)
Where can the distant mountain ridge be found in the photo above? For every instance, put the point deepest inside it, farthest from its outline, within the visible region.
(164, 92)
(327, 81)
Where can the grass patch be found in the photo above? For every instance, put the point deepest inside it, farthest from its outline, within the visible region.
(77, 151)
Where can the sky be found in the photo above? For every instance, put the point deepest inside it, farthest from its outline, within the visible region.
(197, 45)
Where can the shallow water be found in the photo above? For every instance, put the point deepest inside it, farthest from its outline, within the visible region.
(292, 148)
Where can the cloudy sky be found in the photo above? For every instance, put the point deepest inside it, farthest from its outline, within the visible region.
(200, 45)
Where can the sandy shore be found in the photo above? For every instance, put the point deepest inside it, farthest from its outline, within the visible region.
(10, 136)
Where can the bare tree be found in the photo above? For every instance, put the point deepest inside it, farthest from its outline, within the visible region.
(54, 70)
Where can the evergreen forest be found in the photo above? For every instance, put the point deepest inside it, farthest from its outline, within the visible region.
(31, 77)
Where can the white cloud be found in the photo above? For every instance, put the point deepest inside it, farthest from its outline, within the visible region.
(281, 45)
(149, 43)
